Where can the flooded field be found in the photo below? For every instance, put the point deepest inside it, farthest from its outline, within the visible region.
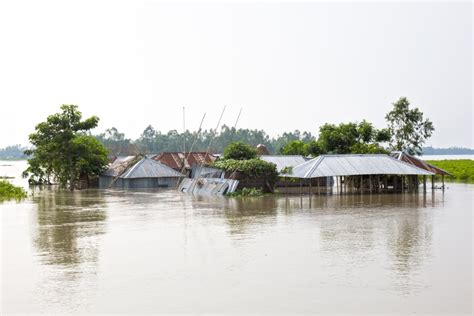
(109, 251)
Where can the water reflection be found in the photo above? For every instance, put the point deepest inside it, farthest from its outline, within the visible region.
(243, 214)
(353, 228)
(65, 222)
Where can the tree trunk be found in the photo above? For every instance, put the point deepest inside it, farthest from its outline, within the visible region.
(71, 173)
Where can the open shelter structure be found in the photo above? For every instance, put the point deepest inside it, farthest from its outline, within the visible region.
(360, 173)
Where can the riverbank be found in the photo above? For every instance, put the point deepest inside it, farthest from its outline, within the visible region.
(461, 170)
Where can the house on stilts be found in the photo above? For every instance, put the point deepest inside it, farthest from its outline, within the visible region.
(354, 173)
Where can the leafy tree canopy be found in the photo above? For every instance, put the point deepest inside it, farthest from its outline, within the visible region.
(408, 128)
(239, 151)
(62, 151)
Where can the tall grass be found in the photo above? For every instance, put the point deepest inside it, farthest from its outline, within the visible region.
(462, 170)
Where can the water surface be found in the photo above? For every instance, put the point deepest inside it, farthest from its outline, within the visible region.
(110, 251)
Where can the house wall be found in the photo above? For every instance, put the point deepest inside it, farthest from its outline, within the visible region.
(138, 183)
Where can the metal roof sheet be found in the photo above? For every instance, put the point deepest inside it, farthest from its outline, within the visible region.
(149, 168)
(283, 161)
(402, 156)
(351, 165)
(175, 159)
(118, 166)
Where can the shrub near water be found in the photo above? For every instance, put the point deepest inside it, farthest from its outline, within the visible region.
(247, 192)
(461, 170)
(9, 192)
(253, 168)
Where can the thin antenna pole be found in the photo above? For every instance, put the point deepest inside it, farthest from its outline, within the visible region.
(235, 126)
(195, 138)
(192, 146)
(184, 129)
(215, 131)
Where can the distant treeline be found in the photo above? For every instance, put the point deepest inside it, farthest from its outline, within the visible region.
(447, 151)
(153, 141)
(15, 152)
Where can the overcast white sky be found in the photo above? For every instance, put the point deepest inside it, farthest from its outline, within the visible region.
(290, 66)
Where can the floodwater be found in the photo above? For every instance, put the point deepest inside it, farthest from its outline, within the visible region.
(110, 251)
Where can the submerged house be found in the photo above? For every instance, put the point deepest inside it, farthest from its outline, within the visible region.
(131, 172)
(358, 173)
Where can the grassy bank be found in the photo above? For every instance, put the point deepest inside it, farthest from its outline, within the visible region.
(10, 192)
(462, 170)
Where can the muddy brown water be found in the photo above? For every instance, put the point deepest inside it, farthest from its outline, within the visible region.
(138, 252)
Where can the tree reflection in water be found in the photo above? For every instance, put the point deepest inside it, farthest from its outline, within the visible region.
(241, 214)
(66, 221)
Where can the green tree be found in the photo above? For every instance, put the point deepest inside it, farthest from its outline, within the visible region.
(313, 148)
(408, 128)
(62, 150)
(239, 151)
(294, 147)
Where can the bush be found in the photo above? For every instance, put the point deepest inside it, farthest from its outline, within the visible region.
(8, 191)
(239, 151)
(253, 168)
(252, 192)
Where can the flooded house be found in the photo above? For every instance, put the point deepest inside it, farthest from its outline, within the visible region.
(354, 173)
(132, 172)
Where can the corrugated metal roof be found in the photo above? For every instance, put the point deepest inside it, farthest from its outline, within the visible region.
(351, 165)
(175, 159)
(118, 166)
(283, 161)
(149, 168)
(402, 156)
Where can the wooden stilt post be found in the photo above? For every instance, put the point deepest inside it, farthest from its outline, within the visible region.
(370, 184)
(310, 187)
(361, 184)
(442, 179)
(424, 184)
(301, 187)
(432, 182)
(319, 186)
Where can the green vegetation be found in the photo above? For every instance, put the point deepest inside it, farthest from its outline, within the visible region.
(247, 192)
(239, 151)
(345, 138)
(62, 151)
(253, 168)
(461, 170)
(408, 129)
(245, 169)
(10, 192)
(154, 141)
